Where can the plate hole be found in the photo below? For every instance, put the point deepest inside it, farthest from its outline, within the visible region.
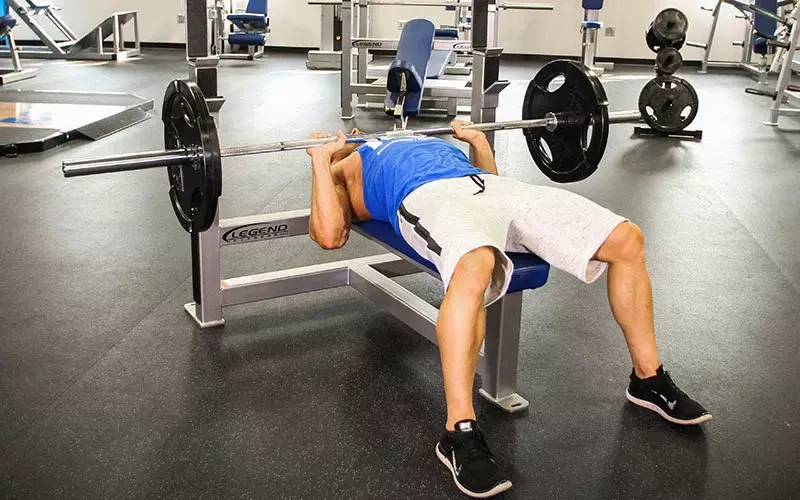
(556, 82)
(544, 148)
(188, 115)
(586, 137)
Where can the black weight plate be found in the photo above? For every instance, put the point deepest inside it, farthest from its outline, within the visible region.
(670, 25)
(668, 104)
(677, 44)
(573, 150)
(655, 44)
(196, 187)
(652, 40)
(668, 61)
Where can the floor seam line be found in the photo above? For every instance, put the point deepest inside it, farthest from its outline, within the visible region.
(760, 245)
(46, 411)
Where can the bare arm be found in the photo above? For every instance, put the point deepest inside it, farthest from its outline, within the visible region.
(329, 224)
(482, 151)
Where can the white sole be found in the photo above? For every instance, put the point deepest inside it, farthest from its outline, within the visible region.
(504, 486)
(657, 409)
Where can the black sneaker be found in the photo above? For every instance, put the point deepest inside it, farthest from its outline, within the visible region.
(660, 394)
(465, 452)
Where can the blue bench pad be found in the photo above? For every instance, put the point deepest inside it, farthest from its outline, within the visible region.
(530, 271)
(437, 64)
(256, 39)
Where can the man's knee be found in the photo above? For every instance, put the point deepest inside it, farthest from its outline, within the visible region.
(624, 244)
(474, 271)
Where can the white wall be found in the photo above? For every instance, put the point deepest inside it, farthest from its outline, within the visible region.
(557, 32)
(296, 24)
(158, 19)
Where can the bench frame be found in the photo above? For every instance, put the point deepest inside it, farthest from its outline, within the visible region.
(371, 276)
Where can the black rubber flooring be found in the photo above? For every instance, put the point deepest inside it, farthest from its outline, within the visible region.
(107, 390)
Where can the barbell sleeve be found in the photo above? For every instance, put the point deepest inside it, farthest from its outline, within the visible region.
(125, 163)
(624, 116)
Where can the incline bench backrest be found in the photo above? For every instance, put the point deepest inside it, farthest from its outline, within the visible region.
(257, 7)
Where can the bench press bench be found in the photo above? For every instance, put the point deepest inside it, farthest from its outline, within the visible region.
(372, 277)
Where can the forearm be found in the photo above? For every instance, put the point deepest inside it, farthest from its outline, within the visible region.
(483, 157)
(328, 222)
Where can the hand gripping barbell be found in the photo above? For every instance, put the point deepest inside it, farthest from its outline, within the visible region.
(566, 129)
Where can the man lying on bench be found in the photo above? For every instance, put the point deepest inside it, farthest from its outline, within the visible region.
(463, 218)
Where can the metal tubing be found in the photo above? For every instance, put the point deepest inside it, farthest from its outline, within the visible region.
(624, 116)
(757, 10)
(309, 143)
(125, 163)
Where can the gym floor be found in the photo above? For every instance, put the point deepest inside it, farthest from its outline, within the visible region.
(109, 391)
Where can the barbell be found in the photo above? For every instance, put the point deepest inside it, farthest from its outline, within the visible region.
(565, 120)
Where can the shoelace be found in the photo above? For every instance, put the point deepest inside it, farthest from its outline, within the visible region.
(474, 447)
(674, 388)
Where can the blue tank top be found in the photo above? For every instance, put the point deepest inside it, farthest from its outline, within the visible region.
(393, 168)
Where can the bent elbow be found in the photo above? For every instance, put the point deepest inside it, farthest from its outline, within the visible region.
(329, 244)
(331, 241)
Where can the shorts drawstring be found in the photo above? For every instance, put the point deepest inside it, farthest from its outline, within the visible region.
(480, 182)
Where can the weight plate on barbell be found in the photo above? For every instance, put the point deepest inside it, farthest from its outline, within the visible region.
(573, 150)
(668, 61)
(670, 25)
(668, 104)
(195, 188)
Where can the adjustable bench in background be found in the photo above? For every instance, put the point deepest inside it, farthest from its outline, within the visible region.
(440, 58)
(250, 31)
(406, 79)
(371, 276)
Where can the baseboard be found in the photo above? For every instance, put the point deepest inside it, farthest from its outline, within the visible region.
(537, 58)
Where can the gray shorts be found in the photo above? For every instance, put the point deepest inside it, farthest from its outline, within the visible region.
(445, 219)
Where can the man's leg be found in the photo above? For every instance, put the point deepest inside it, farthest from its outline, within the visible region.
(631, 299)
(631, 296)
(460, 329)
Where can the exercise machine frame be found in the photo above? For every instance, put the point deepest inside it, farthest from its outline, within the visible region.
(16, 73)
(90, 46)
(758, 71)
(791, 64)
(450, 95)
(221, 28)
